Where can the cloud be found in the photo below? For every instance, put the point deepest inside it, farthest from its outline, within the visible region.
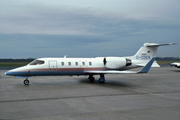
(43, 19)
(33, 29)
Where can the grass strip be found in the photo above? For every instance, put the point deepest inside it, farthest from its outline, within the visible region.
(166, 62)
(13, 64)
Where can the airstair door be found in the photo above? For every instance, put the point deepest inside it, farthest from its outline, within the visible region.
(53, 65)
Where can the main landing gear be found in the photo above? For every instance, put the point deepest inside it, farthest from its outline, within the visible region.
(26, 82)
(101, 79)
(91, 78)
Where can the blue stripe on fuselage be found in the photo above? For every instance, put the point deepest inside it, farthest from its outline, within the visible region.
(45, 73)
(17, 73)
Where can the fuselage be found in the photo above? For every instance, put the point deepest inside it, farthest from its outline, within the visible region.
(70, 66)
(81, 66)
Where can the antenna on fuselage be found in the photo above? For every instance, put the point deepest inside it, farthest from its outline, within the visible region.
(65, 56)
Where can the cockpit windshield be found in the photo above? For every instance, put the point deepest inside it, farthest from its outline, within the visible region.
(37, 62)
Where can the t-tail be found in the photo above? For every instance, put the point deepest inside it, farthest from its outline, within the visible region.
(147, 52)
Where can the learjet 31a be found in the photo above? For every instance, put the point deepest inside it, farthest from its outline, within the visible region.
(90, 66)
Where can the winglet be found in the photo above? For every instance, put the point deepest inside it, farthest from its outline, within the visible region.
(148, 66)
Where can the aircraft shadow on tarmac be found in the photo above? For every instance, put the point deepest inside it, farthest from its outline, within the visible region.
(175, 70)
(109, 83)
(85, 81)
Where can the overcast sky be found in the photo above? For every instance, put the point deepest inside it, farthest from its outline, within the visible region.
(87, 28)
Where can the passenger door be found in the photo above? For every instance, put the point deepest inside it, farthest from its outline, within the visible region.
(53, 65)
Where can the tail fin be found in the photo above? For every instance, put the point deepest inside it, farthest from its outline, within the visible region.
(148, 51)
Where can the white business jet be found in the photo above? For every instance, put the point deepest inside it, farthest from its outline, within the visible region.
(90, 66)
(176, 64)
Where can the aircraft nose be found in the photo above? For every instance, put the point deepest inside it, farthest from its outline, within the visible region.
(8, 73)
(21, 71)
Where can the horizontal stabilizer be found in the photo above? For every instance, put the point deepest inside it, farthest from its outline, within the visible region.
(157, 45)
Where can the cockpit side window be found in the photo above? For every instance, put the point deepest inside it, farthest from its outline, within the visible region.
(37, 62)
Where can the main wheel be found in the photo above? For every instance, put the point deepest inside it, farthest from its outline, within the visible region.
(26, 82)
(91, 78)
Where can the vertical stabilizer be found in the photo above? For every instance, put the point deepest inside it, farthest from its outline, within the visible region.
(148, 51)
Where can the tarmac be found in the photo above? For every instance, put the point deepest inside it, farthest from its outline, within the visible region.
(151, 96)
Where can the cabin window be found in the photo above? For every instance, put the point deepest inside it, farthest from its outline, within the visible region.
(37, 62)
(62, 63)
(90, 63)
(76, 63)
(69, 63)
(83, 63)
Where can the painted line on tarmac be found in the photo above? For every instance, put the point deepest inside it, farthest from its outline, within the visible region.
(177, 99)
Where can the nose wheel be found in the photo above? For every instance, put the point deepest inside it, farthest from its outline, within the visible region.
(26, 82)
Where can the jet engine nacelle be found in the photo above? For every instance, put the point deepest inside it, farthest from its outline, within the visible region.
(116, 62)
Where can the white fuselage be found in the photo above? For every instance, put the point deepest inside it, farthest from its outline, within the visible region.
(70, 66)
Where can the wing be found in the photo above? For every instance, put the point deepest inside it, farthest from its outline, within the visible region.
(145, 69)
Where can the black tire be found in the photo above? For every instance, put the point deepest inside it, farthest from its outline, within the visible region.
(26, 82)
(91, 78)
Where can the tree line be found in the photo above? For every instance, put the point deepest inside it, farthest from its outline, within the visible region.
(16, 60)
(167, 59)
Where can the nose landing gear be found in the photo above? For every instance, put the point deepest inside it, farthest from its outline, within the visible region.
(26, 82)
